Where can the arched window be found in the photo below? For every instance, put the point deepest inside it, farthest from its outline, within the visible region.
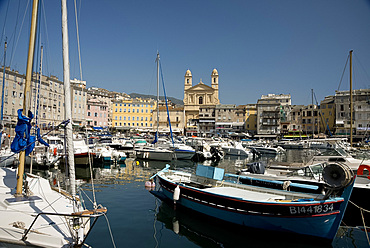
(187, 80)
(214, 80)
(200, 100)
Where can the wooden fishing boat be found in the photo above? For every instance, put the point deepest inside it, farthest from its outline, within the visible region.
(208, 193)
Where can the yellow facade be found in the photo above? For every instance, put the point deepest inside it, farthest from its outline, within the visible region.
(327, 112)
(133, 113)
(199, 95)
(251, 118)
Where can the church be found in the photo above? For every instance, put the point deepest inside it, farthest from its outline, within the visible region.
(197, 96)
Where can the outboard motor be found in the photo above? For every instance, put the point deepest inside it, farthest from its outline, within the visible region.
(256, 168)
(255, 153)
(216, 154)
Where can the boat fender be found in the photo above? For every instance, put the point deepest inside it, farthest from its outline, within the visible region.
(360, 170)
(176, 193)
(150, 184)
(286, 185)
(175, 226)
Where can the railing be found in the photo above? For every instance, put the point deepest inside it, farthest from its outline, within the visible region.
(87, 213)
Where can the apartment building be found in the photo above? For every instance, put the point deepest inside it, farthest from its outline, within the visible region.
(133, 113)
(271, 109)
(360, 113)
(47, 96)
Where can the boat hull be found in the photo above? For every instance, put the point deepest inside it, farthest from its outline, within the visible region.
(184, 154)
(154, 155)
(235, 152)
(319, 219)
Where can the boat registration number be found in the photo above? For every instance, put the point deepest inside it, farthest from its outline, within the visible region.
(318, 209)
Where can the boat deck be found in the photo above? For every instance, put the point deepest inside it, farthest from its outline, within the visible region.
(17, 214)
(245, 194)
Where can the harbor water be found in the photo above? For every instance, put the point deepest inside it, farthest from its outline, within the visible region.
(136, 218)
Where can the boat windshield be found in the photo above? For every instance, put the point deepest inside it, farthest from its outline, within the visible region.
(313, 171)
(334, 152)
(317, 169)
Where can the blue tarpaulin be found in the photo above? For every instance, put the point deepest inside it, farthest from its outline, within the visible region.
(23, 140)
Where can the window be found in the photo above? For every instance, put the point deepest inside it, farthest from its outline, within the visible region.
(200, 100)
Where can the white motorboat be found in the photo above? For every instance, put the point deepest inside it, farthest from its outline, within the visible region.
(154, 153)
(235, 148)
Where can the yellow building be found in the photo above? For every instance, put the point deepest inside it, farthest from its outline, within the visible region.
(197, 96)
(251, 118)
(176, 115)
(133, 113)
(327, 115)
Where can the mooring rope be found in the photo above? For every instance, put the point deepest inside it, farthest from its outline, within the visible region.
(362, 217)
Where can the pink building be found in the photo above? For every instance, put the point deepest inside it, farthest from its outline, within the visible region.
(97, 113)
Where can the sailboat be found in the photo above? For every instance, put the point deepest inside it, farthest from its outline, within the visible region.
(32, 212)
(155, 152)
(6, 155)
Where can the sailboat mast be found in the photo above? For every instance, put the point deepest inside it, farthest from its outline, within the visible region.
(67, 100)
(313, 117)
(3, 87)
(2, 96)
(350, 95)
(27, 91)
(157, 60)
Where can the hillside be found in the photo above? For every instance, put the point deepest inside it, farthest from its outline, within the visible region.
(172, 99)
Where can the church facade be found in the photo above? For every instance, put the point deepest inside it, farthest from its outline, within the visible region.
(198, 96)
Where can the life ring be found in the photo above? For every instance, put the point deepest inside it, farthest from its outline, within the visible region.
(55, 151)
(360, 170)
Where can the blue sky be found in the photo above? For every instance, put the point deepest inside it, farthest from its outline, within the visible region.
(258, 47)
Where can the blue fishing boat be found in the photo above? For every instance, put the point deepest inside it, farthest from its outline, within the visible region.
(309, 214)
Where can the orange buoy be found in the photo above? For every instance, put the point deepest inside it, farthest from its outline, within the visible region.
(360, 170)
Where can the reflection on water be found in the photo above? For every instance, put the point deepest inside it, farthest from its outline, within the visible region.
(209, 232)
(138, 219)
(143, 169)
